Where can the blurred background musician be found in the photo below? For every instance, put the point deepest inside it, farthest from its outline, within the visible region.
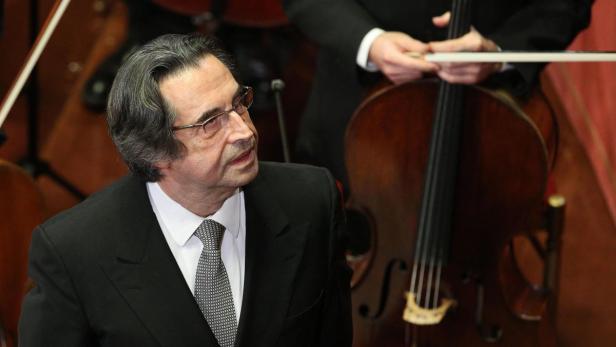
(146, 20)
(358, 39)
(258, 34)
(252, 30)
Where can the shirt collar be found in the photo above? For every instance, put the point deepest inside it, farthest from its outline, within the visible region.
(182, 223)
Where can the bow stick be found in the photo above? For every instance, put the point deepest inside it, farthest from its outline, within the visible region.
(518, 56)
(33, 56)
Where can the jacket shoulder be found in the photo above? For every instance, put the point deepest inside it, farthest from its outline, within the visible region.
(300, 190)
(96, 219)
(297, 175)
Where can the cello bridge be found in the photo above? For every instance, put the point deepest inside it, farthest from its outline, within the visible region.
(415, 314)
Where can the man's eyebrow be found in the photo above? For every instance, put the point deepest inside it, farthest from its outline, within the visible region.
(217, 110)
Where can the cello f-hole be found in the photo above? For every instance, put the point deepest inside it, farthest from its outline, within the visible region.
(394, 264)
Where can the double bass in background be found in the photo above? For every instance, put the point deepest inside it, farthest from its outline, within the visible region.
(451, 177)
(21, 209)
(21, 203)
(249, 13)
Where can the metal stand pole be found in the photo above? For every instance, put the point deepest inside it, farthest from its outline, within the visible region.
(32, 162)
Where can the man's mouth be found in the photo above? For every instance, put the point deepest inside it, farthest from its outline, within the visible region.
(245, 156)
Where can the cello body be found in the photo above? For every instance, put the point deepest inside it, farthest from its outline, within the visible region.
(504, 161)
(21, 209)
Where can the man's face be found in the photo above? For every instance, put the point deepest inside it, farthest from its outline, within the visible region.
(227, 159)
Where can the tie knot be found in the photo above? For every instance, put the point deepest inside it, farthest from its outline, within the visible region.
(210, 233)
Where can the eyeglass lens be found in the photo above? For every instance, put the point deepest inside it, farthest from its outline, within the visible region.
(245, 101)
(241, 105)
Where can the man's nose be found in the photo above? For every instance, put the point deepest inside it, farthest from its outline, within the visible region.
(238, 126)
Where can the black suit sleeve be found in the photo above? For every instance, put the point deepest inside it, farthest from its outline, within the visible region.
(338, 25)
(542, 25)
(336, 324)
(51, 312)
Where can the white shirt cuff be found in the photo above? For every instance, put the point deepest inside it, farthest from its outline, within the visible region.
(364, 50)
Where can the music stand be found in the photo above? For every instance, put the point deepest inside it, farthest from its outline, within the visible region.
(32, 163)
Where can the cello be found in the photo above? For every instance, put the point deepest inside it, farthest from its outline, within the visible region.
(248, 13)
(451, 177)
(21, 206)
(21, 209)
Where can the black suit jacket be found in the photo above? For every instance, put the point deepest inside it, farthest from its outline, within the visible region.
(338, 26)
(104, 275)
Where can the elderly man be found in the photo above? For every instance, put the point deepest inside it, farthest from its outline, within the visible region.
(202, 245)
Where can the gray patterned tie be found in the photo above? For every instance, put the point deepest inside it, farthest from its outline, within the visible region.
(212, 289)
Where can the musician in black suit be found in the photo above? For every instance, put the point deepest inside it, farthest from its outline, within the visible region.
(128, 266)
(360, 38)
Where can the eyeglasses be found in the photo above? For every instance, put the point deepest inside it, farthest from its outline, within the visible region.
(217, 121)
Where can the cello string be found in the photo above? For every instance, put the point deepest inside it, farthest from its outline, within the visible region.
(442, 114)
(437, 230)
(431, 213)
(453, 100)
(424, 221)
(437, 285)
(425, 226)
(449, 98)
(454, 19)
(428, 239)
(448, 185)
(435, 271)
(431, 269)
(463, 17)
(441, 190)
(428, 197)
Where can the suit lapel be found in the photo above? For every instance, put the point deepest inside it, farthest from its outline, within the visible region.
(274, 248)
(147, 276)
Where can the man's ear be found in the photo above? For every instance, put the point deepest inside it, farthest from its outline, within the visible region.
(163, 165)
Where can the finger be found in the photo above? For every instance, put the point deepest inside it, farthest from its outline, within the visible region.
(461, 68)
(481, 70)
(406, 71)
(420, 64)
(397, 60)
(456, 79)
(423, 66)
(391, 53)
(390, 44)
(405, 77)
(471, 42)
(442, 20)
(407, 43)
(468, 74)
(412, 60)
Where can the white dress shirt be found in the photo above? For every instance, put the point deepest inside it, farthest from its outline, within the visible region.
(179, 224)
(364, 49)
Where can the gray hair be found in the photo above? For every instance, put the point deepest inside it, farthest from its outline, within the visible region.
(138, 117)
